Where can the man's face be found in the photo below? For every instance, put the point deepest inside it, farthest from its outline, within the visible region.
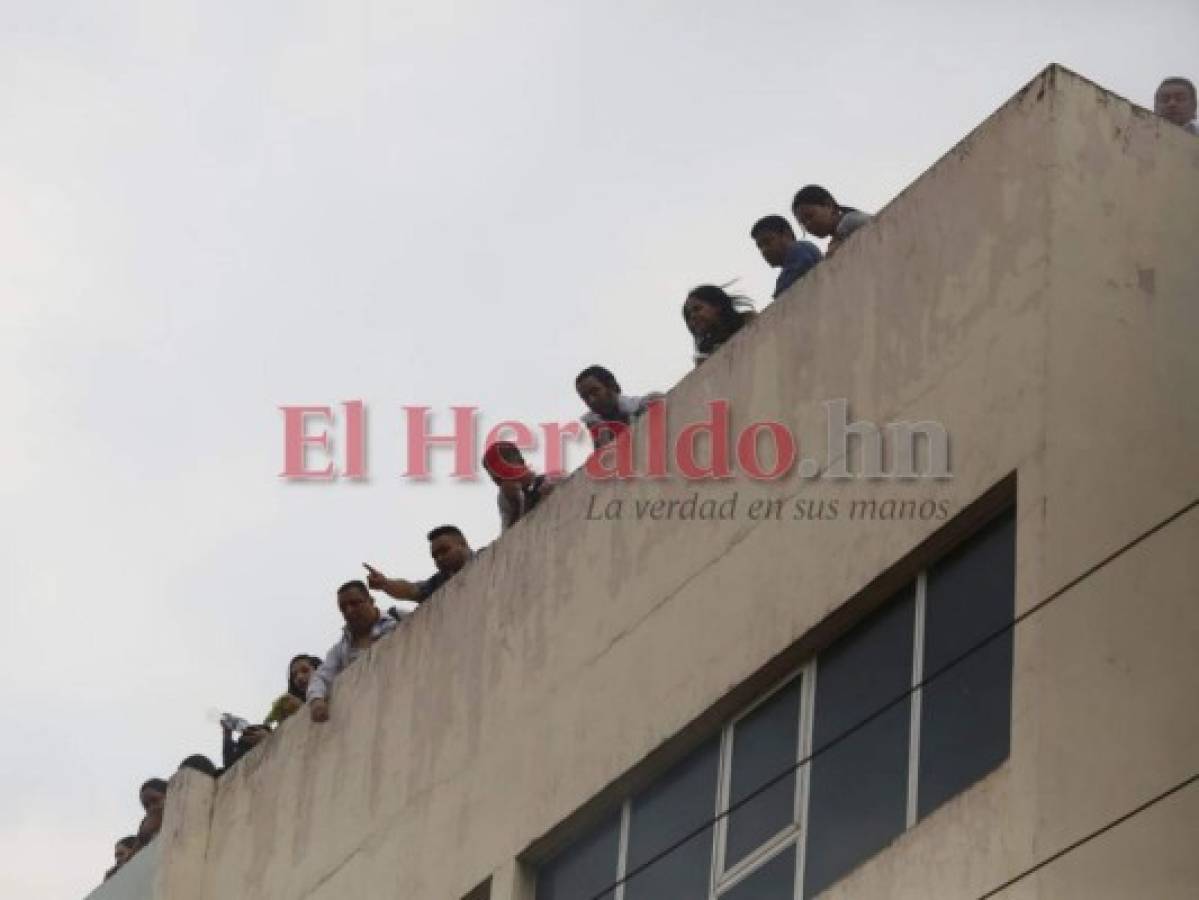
(1174, 101)
(600, 398)
(817, 218)
(358, 609)
(773, 246)
(152, 799)
(450, 553)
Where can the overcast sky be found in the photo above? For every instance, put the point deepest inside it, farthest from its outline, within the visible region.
(213, 208)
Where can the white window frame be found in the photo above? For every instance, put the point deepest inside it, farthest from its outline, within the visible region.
(720, 881)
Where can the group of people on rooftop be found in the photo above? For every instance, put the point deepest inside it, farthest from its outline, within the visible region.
(712, 317)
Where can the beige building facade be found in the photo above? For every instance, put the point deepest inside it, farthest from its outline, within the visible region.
(601, 683)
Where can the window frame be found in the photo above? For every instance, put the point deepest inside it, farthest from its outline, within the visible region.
(721, 879)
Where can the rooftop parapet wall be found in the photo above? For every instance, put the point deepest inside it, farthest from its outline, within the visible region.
(998, 295)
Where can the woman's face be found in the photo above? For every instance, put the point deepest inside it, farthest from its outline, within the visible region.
(817, 218)
(301, 672)
(701, 317)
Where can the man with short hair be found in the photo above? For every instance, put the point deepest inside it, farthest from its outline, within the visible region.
(450, 552)
(609, 410)
(782, 250)
(153, 794)
(364, 625)
(1174, 101)
(521, 489)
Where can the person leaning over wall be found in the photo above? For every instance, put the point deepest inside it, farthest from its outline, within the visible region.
(299, 673)
(364, 625)
(821, 215)
(125, 849)
(778, 245)
(608, 408)
(450, 552)
(713, 316)
(233, 750)
(520, 488)
(1174, 101)
(153, 794)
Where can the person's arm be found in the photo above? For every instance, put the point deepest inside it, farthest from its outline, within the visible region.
(396, 588)
(321, 681)
(509, 501)
(228, 747)
(283, 707)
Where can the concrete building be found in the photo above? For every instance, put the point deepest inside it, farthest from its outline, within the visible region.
(593, 690)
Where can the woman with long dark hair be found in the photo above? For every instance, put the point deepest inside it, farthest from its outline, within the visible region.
(299, 671)
(713, 316)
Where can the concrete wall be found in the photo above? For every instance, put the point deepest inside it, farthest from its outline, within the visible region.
(1037, 292)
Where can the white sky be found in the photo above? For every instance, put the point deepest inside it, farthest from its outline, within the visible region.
(212, 208)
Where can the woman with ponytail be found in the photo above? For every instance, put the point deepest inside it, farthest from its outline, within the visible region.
(820, 215)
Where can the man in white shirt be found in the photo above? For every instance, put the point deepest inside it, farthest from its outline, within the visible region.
(608, 409)
(364, 625)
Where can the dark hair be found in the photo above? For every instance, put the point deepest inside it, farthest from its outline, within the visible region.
(730, 319)
(772, 225)
(1178, 79)
(600, 374)
(200, 763)
(292, 688)
(443, 530)
(129, 841)
(351, 585)
(813, 194)
(156, 784)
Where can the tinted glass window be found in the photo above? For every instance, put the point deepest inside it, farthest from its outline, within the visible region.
(585, 868)
(671, 809)
(858, 799)
(765, 743)
(965, 716)
(775, 880)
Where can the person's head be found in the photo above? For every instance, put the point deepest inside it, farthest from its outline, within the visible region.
(504, 462)
(449, 549)
(254, 735)
(149, 827)
(774, 237)
(599, 389)
(357, 607)
(153, 794)
(1175, 100)
(200, 763)
(299, 673)
(816, 210)
(711, 316)
(125, 848)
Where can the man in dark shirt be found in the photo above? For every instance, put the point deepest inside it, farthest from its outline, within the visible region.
(777, 243)
(450, 552)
